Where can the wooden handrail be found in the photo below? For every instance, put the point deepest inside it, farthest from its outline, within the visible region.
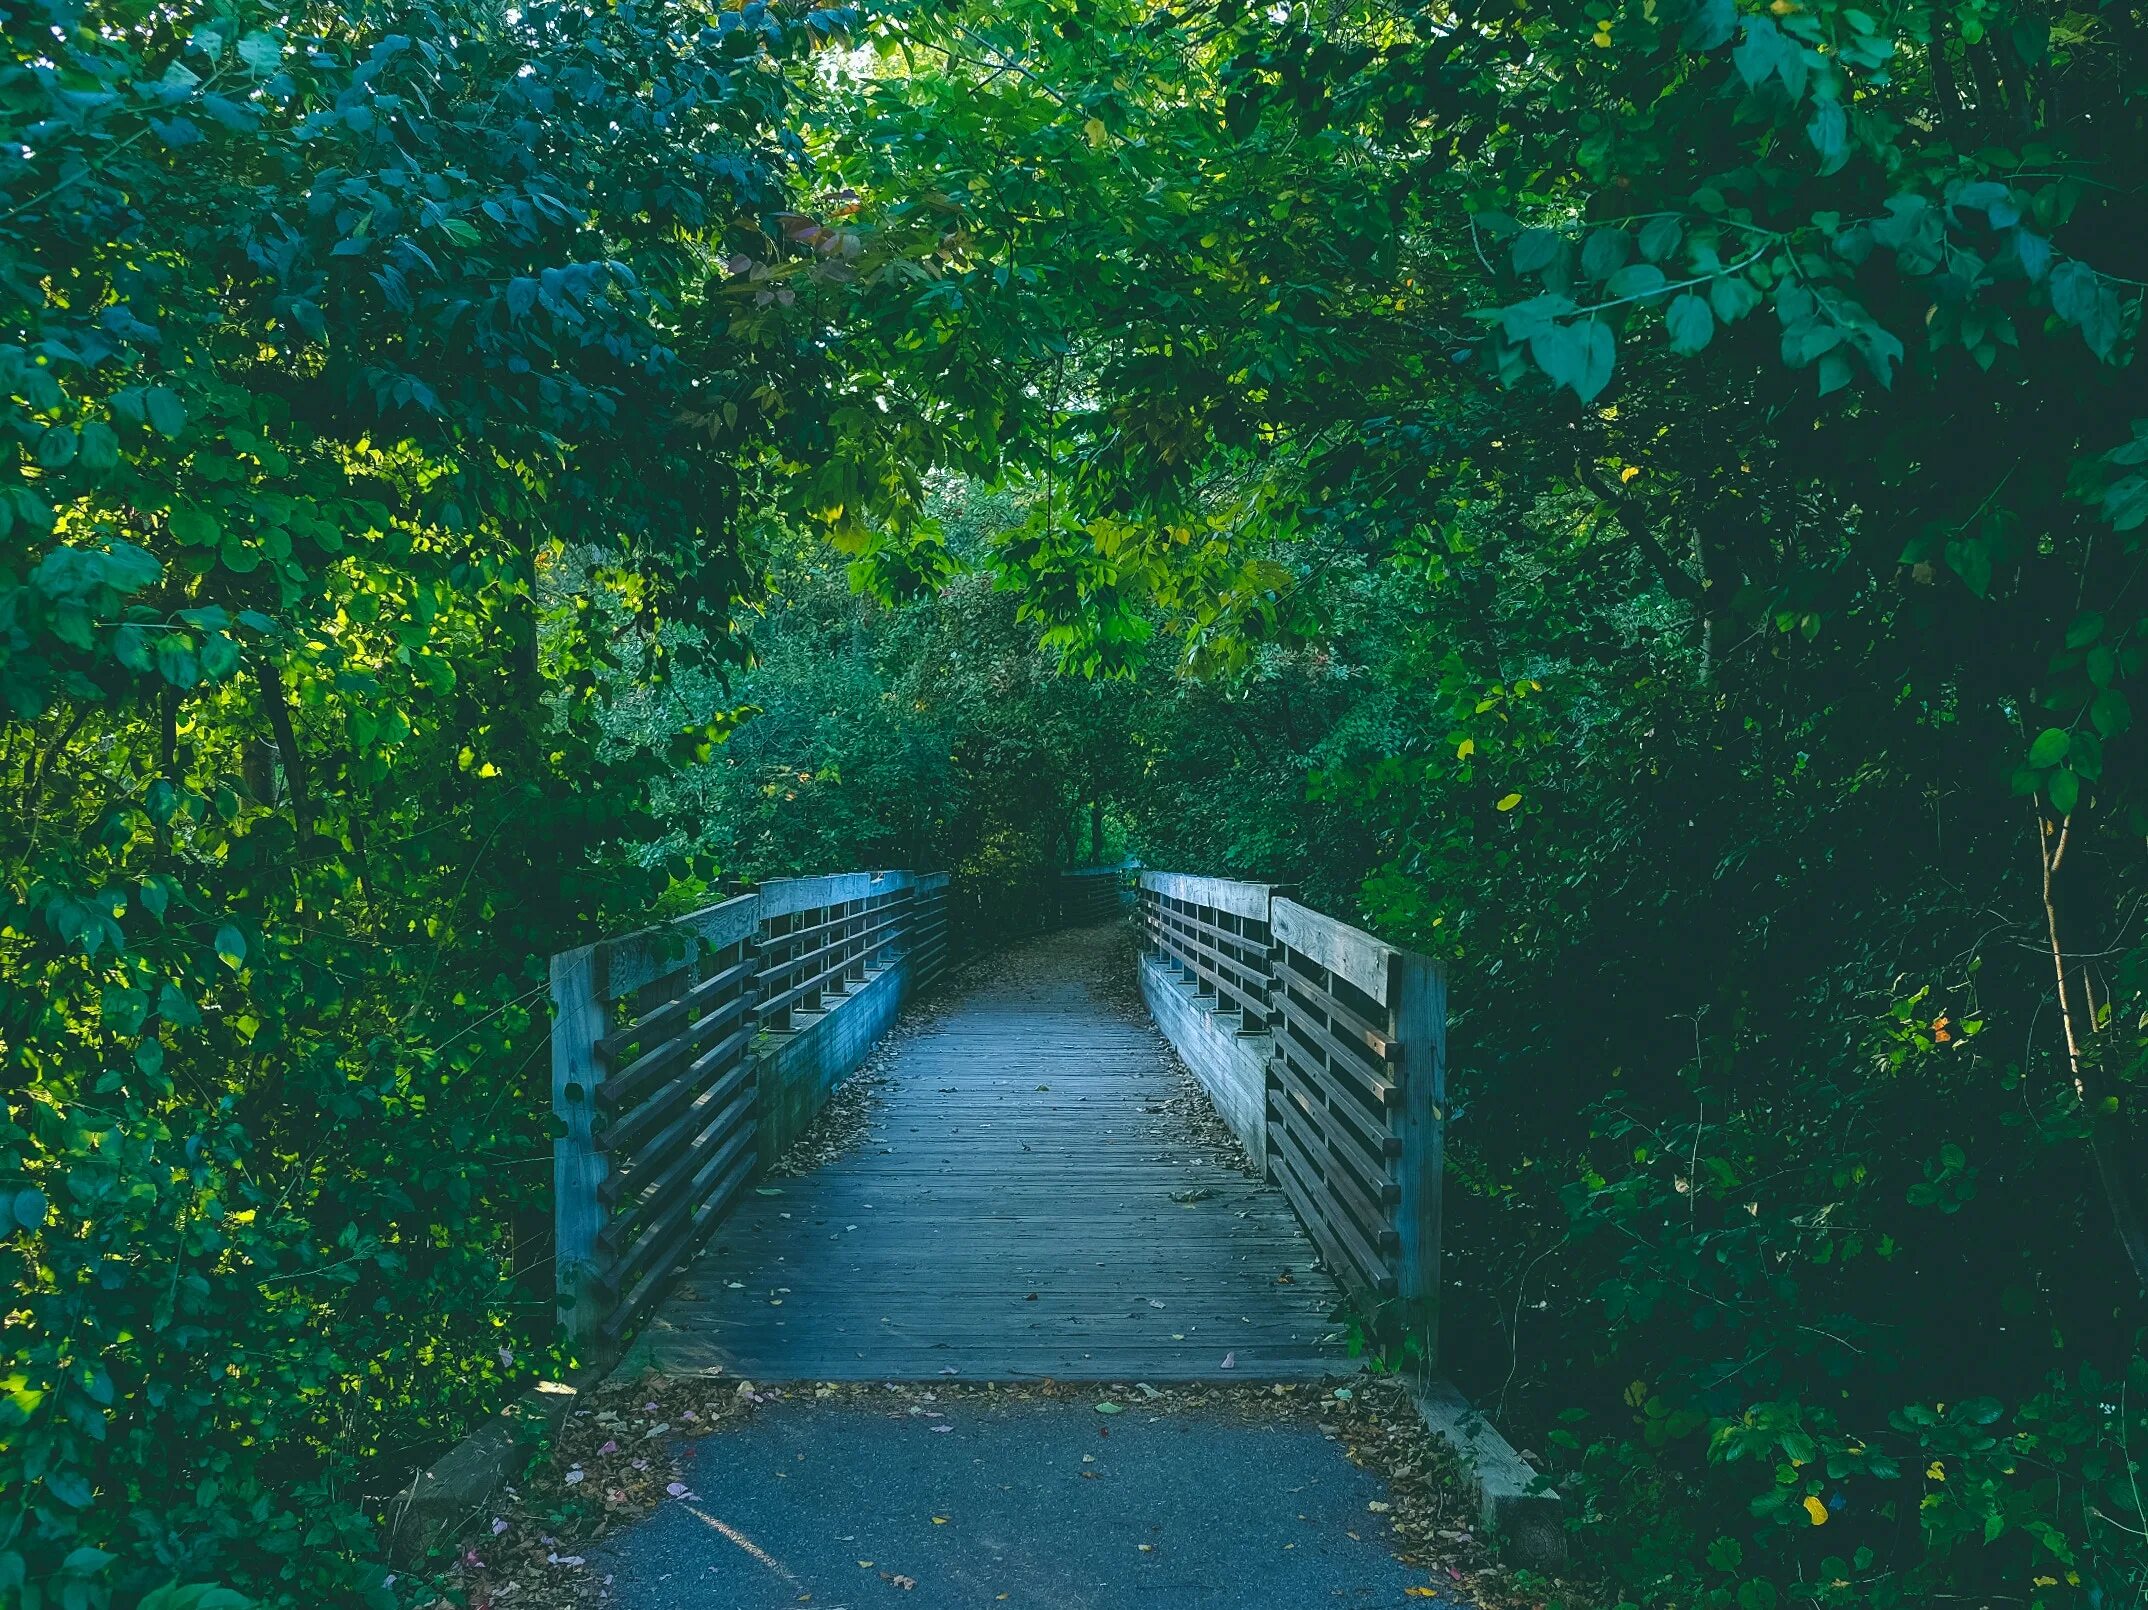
(1355, 1031)
(657, 1038)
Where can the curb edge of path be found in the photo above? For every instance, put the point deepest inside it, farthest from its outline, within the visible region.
(1518, 1509)
(450, 1495)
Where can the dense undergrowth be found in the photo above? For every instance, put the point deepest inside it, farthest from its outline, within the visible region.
(1639, 498)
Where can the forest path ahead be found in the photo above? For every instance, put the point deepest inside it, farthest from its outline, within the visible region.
(1030, 1189)
(1032, 1198)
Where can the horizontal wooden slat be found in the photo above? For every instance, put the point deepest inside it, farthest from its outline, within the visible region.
(722, 1190)
(626, 1135)
(1349, 953)
(780, 897)
(1240, 899)
(640, 958)
(1373, 1082)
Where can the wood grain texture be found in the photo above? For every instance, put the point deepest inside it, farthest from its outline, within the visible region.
(578, 1164)
(1021, 1207)
(1349, 953)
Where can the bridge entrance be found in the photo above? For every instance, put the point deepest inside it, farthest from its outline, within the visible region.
(1028, 1200)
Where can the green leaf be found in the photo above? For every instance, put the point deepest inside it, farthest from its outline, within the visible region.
(1660, 236)
(195, 527)
(167, 414)
(2082, 297)
(1689, 323)
(1733, 296)
(1829, 132)
(2050, 746)
(2110, 713)
(231, 946)
(1635, 279)
(29, 1208)
(1535, 250)
(2125, 502)
(1605, 252)
(2064, 792)
(1970, 559)
(262, 52)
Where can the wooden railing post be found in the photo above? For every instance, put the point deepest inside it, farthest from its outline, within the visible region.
(1417, 1007)
(579, 1012)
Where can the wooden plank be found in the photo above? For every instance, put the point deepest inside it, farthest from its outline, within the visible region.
(1221, 894)
(780, 897)
(1349, 953)
(579, 999)
(1018, 1149)
(637, 959)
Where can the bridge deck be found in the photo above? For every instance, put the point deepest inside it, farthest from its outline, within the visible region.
(1024, 1207)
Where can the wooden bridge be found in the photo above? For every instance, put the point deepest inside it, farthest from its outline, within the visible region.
(1025, 1197)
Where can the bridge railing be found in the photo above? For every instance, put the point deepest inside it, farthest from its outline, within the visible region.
(1325, 1049)
(685, 1054)
(1094, 894)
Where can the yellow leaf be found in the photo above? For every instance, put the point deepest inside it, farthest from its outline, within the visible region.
(1510, 802)
(1936, 1472)
(939, 1520)
(1464, 749)
(1096, 131)
(1817, 1510)
(1627, 474)
(1420, 1593)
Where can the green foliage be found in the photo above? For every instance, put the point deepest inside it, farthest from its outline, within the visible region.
(323, 332)
(933, 735)
(400, 399)
(1743, 706)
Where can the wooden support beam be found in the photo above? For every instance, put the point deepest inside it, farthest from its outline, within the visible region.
(579, 1010)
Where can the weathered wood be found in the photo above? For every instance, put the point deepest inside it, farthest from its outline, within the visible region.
(1014, 1214)
(579, 1006)
(1417, 991)
(1356, 1098)
(1349, 953)
(780, 897)
(637, 959)
(1223, 894)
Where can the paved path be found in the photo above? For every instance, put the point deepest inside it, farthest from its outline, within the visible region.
(1023, 1208)
(1019, 1506)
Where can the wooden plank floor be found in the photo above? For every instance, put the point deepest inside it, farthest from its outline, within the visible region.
(1023, 1206)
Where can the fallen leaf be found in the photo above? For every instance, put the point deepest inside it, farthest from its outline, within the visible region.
(1108, 1407)
(1230, 1361)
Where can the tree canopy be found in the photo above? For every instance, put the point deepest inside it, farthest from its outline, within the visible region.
(1640, 498)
